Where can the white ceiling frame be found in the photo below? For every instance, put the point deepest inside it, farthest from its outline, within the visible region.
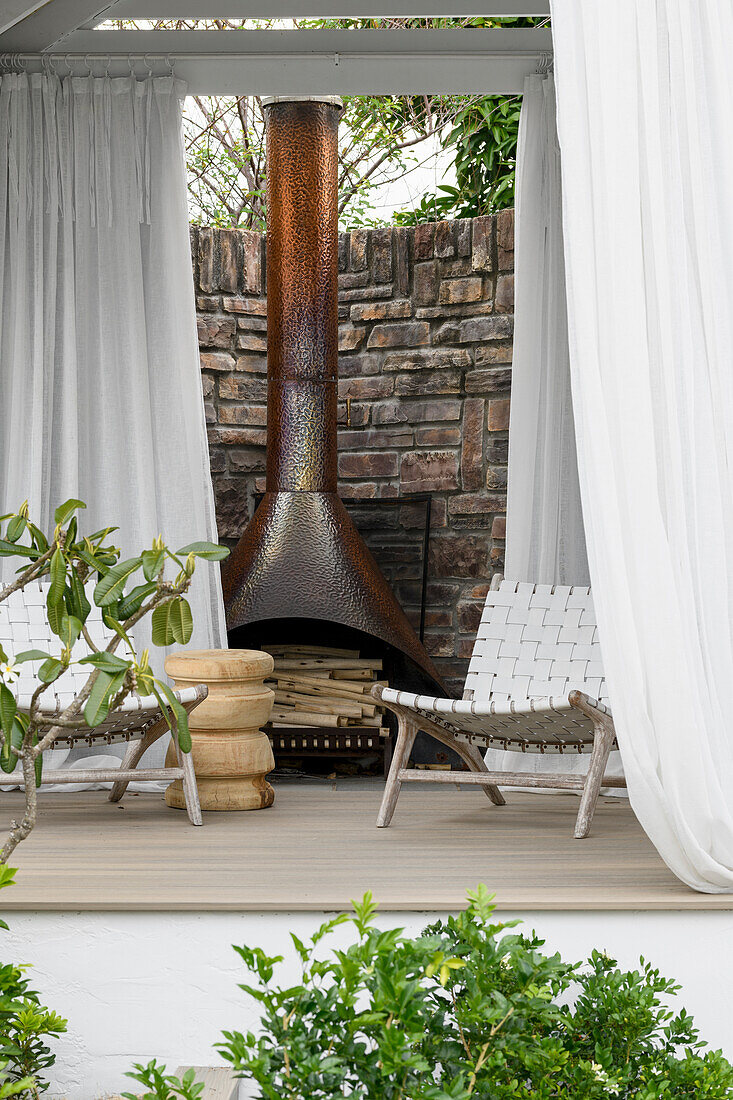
(316, 62)
(428, 43)
(29, 26)
(13, 11)
(344, 9)
(49, 24)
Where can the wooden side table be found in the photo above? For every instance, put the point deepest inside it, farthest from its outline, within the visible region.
(231, 754)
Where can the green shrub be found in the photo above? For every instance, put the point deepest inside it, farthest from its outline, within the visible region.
(24, 1026)
(468, 1009)
(160, 1085)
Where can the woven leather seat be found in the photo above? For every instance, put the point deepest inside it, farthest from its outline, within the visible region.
(140, 722)
(535, 684)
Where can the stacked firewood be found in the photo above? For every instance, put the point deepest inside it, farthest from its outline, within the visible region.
(318, 686)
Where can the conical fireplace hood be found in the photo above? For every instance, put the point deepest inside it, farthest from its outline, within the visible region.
(301, 556)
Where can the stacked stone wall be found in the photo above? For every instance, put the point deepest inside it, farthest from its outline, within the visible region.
(425, 338)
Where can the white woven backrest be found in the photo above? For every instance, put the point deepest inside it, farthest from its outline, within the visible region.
(23, 625)
(536, 641)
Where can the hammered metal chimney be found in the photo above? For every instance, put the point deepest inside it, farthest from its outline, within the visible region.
(301, 557)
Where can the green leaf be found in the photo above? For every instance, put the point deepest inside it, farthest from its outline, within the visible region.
(172, 622)
(134, 600)
(152, 563)
(8, 759)
(181, 715)
(8, 710)
(55, 613)
(70, 630)
(30, 655)
(38, 537)
(57, 572)
(102, 534)
(7, 549)
(56, 590)
(97, 705)
(16, 527)
(108, 662)
(7, 875)
(67, 509)
(71, 532)
(210, 551)
(115, 627)
(76, 598)
(111, 613)
(50, 670)
(112, 585)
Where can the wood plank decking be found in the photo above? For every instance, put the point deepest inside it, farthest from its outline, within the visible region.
(318, 847)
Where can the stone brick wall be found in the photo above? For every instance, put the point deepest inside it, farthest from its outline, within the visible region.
(425, 336)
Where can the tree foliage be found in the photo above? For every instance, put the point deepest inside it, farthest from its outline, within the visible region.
(80, 569)
(383, 138)
(25, 1025)
(469, 1010)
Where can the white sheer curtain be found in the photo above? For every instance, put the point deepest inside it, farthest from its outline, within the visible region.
(645, 101)
(545, 540)
(99, 372)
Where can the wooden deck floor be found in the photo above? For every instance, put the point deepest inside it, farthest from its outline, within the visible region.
(317, 848)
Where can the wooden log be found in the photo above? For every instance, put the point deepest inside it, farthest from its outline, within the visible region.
(287, 726)
(328, 664)
(331, 688)
(352, 674)
(318, 704)
(308, 651)
(303, 718)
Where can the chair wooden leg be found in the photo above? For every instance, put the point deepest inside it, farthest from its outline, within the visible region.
(406, 734)
(190, 786)
(476, 763)
(603, 739)
(133, 754)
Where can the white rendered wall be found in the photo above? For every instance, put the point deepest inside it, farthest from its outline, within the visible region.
(141, 985)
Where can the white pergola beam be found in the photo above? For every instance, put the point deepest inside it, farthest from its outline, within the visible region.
(317, 75)
(47, 26)
(343, 9)
(13, 11)
(346, 43)
(315, 62)
(31, 26)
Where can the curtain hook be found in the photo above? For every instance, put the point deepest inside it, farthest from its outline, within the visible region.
(171, 63)
(12, 62)
(89, 68)
(147, 65)
(107, 64)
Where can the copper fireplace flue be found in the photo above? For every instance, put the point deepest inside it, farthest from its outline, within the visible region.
(301, 556)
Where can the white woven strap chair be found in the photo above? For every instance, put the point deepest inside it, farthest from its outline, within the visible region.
(140, 722)
(535, 684)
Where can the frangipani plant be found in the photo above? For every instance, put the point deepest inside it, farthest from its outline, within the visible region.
(80, 569)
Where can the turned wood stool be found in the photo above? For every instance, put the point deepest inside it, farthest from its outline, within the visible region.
(231, 754)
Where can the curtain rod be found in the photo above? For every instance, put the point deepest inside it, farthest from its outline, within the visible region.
(19, 62)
